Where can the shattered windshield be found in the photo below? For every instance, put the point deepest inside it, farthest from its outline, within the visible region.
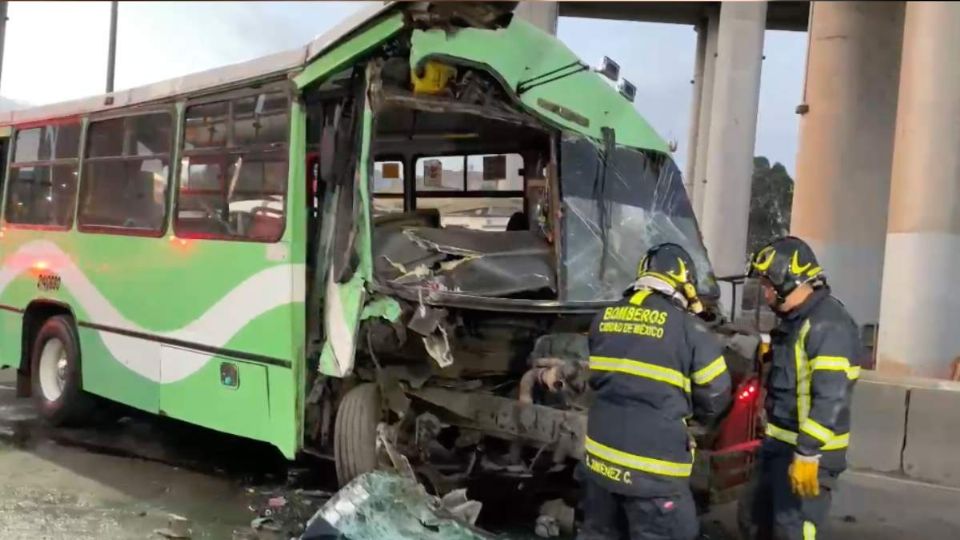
(616, 209)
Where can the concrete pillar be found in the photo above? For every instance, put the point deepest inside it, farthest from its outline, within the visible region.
(544, 15)
(711, 30)
(845, 152)
(695, 99)
(920, 303)
(733, 130)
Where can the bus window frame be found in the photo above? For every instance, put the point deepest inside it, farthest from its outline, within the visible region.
(390, 158)
(281, 86)
(11, 153)
(464, 193)
(172, 155)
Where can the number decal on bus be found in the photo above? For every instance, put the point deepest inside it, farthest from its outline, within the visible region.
(48, 282)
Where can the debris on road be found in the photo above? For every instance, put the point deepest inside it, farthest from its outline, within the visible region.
(283, 513)
(556, 518)
(264, 524)
(315, 493)
(178, 527)
(382, 504)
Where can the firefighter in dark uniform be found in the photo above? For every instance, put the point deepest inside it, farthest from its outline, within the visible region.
(815, 362)
(653, 364)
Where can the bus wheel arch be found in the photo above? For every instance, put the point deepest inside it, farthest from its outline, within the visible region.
(36, 314)
(54, 368)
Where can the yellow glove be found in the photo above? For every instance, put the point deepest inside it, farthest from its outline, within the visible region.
(803, 476)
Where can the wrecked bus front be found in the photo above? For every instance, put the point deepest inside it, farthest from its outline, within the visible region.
(584, 212)
(577, 251)
(503, 192)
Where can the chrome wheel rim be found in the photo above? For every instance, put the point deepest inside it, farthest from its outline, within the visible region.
(53, 369)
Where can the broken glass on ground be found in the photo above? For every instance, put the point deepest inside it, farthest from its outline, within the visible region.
(381, 504)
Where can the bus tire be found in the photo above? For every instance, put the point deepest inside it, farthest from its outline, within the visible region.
(355, 432)
(55, 373)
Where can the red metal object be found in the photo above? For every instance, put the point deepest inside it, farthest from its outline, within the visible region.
(738, 439)
(740, 425)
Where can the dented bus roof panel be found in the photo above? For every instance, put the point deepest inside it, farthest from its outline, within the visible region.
(523, 56)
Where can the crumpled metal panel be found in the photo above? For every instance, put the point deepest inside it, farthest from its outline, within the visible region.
(483, 263)
(473, 242)
(502, 276)
(521, 54)
(396, 255)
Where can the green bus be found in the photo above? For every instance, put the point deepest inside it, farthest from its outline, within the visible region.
(393, 237)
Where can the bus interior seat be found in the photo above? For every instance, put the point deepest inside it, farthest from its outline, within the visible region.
(138, 209)
(518, 222)
(421, 217)
(266, 224)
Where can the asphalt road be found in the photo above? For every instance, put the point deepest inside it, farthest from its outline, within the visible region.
(125, 480)
(868, 506)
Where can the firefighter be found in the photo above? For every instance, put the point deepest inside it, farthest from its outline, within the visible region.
(652, 364)
(814, 365)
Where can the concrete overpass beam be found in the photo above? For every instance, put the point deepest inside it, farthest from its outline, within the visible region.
(920, 304)
(733, 130)
(845, 150)
(544, 15)
(696, 98)
(708, 33)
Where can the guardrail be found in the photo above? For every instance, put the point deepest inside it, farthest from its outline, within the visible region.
(908, 426)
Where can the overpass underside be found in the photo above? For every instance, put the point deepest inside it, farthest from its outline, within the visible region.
(877, 190)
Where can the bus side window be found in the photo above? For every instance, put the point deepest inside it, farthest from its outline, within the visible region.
(43, 176)
(233, 176)
(387, 187)
(481, 192)
(125, 175)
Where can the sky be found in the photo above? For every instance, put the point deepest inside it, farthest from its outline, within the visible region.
(56, 51)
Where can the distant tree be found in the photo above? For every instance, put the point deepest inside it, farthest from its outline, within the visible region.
(771, 195)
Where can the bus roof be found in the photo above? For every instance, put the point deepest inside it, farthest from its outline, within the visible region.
(519, 53)
(546, 77)
(268, 66)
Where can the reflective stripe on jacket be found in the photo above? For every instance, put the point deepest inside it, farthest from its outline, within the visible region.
(652, 366)
(816, 362)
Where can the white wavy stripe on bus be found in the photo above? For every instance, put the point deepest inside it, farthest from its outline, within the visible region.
(261, 292)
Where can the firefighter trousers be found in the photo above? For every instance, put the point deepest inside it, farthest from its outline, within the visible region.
(611, 516)
(769, 510)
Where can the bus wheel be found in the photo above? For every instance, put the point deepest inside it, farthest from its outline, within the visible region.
(55, 370)
(355, 432)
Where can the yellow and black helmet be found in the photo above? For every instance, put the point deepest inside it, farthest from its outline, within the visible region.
(786, 263)
(672, 264)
